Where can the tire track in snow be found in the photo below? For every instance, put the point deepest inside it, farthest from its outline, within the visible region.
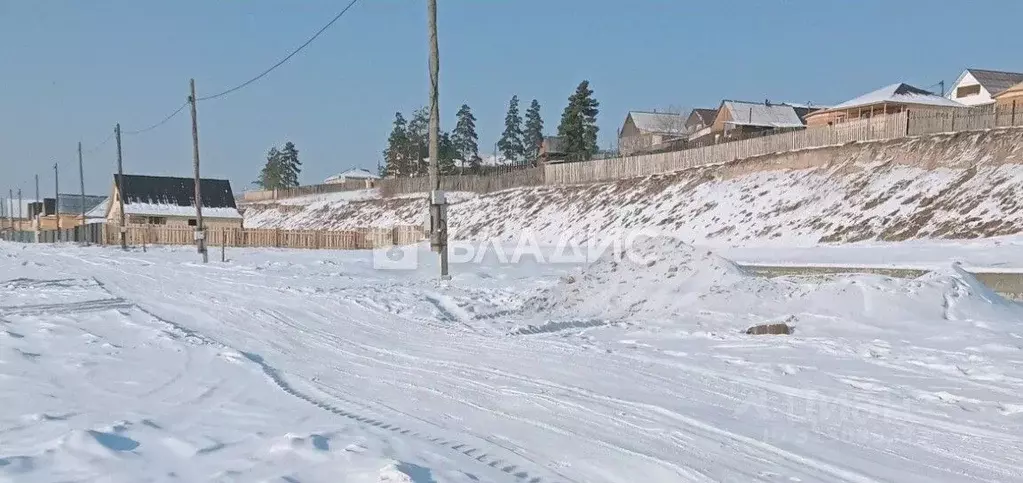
(276, 377)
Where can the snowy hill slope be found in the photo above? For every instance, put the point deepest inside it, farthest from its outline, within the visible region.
(965, 185)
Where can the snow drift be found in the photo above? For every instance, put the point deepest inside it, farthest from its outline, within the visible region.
(662, 281)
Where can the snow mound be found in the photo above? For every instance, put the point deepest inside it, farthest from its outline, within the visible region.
(663, 281)
(652, 276)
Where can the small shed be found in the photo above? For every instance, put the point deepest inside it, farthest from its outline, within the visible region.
(1009, 105)
(643, 130)
(351, 174)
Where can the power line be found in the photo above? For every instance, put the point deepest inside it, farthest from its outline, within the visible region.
(285, 59)
(99, 146)
(161, 123)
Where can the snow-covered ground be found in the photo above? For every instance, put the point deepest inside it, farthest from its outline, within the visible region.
(314, 366)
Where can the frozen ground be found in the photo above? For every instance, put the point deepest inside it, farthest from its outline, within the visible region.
(312, 366)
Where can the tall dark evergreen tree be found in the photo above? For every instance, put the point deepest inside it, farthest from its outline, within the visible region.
(290, 165)
(396, 155)
(532, 136)
(578, 126)
(448, 154)
(510, 143)
(418, 145)
(465, 140)
(271, 176)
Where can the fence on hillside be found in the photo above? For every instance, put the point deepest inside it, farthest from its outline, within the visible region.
(876, 128)
(313, 189)
(529, 176)
(882, 127)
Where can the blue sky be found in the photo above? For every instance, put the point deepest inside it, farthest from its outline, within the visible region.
(73, 69)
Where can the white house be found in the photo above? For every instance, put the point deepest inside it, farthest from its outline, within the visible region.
(975, 87)
(351, 174)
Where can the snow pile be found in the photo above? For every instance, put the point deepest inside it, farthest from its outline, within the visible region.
(653, 275)
(662, 281)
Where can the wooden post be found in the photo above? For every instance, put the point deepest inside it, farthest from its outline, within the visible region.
(223, 245)
(199, 233)
(81, 179)
(120, 188)
(145, 237)
(56, 198)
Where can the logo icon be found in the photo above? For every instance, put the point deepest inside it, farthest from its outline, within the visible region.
(396, 258)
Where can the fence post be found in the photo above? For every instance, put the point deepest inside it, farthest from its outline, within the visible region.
(907, 122)
(223, 245)
(277, 237)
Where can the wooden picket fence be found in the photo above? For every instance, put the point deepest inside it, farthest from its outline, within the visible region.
(362, 238)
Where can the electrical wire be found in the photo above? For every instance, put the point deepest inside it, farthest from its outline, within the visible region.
(285, 59)
(100, 145)
(154, 126)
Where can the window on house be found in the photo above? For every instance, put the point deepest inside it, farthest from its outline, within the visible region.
(157, 220)
(192, 222)
(136, 219)
(966, 91)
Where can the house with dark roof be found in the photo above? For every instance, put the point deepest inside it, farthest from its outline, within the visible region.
(167, 200)
(700, 122)
(978, 87)
(891, 99)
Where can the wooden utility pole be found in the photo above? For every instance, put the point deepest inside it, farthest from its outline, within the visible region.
(22, 218)
(438, 212)
(56, 198)
(10, 208)
(122, 229)
(200, 237)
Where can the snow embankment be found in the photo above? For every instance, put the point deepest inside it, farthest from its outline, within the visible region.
(663, 282)
(945, 186)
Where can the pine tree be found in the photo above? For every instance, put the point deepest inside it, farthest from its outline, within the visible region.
(510, 143)
(532, 137)
(395, 156)
(290, 165)
(579, 123)
(418, 145)
(448, 153)
(271, 176)
(465, 140)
